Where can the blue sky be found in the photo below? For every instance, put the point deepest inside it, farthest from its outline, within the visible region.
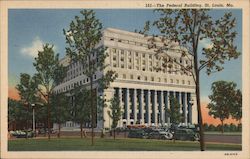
(30, 28)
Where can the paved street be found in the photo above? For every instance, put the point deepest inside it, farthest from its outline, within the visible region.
(235, 139)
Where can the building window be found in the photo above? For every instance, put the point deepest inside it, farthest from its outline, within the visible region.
(124, 76)
(130, 67)
(188, 82)
(171, 80)
(131, 76)
(183, 81)
(165, 80)
(94, 76)
(139, 77)
(152, 78)
(87, 79)
(143, 62)
(177, 81)
(159, 79)
(136, 54)
(137, 61)
(143, 69)
(114, 65)
(145, 78)
(130, 60)
(122, 65)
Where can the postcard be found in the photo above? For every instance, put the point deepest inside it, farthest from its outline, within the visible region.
(125, 79)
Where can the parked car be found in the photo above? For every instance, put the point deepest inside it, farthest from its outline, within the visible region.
(160, 135)
(22, 134)
(137, 134)
(186, 134)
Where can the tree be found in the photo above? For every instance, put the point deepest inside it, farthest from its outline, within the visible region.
(81, 108)
(224, 99)
(83, 39)
(236, 112)
(174, 111)
(60, 110)
(17, 114)
(28, 92)
(115, 113)
(49, 73)
(181, 31)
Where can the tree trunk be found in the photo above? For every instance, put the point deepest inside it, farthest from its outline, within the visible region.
(44, 127)
(48, 108)
(222, 126)
(92, 110)
(200, 121)
(197, 92)
(114, 133)
(81, 129)
(59, 130)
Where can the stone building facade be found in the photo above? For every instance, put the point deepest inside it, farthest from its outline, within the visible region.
(143, 91)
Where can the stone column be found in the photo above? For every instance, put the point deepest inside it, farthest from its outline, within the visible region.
(142, 106)
(148, 100)
(185, 107)
(155, 107)
(135, 105)
(127, 114)
(162, 119)
(121, 106)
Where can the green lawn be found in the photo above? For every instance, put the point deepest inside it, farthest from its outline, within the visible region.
(77, 144)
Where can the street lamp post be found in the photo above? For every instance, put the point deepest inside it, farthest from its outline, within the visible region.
(34, 122)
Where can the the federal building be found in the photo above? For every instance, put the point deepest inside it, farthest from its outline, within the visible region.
(143, 90)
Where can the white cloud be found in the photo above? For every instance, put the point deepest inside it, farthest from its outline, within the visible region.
(206, 43)
(33, 48)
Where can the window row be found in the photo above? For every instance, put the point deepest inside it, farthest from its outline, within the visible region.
(75, 84)
(155, 79)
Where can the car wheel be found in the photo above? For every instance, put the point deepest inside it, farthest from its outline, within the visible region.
(169, 136)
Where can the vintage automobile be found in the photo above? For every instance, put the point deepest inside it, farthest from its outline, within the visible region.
(186, 134)
(137, 134)
(160, 134)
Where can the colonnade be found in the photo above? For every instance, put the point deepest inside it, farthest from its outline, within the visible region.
(148, 107)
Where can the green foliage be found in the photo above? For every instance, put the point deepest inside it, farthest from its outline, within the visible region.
(81, 108)
(49, 71)
(174, 110)
(27, 89)
(224, 100)
(82, 38)
(115, 113)
(17, 113)
(236, 112)
(60, 108)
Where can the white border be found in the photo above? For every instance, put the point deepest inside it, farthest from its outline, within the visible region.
(5, 5)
